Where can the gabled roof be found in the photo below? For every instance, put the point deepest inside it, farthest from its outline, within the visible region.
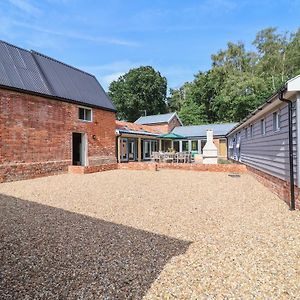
(32, 72)
(155, 119)
(200, 130)
(127, 127)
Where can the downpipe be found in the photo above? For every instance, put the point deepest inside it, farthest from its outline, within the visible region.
(291, 151)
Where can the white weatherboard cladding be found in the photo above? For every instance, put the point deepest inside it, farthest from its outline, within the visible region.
(270, 152)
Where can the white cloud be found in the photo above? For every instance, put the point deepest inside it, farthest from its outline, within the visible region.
(108, 79)
(78, 36)
(107, 73)
(116, 66)
(25, 6)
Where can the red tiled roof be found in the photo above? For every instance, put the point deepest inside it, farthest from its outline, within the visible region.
(137, 127)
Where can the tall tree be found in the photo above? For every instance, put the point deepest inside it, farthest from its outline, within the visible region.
(191, 113)
(140, 90)
(272, 64)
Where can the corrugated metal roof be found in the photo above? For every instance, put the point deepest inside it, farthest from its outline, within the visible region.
(18, 69)
(200, 130)
(35, 72)
(163, 118)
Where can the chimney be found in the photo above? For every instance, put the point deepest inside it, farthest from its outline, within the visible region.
(210, 151)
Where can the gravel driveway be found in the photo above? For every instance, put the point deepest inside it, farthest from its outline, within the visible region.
(141, 234)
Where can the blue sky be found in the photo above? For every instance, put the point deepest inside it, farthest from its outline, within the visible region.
(107, 38)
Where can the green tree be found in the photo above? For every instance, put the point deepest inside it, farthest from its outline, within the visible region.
(141, 89)
(272, 64)
(293, 55)
(191, 113)
(179, 96)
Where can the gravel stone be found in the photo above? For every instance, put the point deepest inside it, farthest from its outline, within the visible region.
(153, 235)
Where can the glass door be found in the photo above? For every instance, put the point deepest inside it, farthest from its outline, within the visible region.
(124, 149)
(147, 149)
(132, 149)
(176, 146)
(154, 146)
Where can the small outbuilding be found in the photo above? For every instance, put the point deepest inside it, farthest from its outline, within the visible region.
(52, 115)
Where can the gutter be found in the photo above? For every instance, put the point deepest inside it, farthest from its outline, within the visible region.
(291, 151)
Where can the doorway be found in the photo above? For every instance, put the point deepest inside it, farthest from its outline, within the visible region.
(149, 146)
(79, 149)
(124, 149)
(132, 149)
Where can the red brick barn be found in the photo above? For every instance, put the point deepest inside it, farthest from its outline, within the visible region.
(51, 116)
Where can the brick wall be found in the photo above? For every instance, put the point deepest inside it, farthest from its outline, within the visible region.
(92, 169)
(167, 127)
(173, 123)
(163, 127)
(276, 185)
(36, 135)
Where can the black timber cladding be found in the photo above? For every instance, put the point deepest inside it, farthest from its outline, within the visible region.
(33, 72)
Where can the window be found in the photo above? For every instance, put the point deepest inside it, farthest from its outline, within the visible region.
(246, 133)
(263, 126)
(203, 143)
(194, 145)
(238, 140)
(85, 114)
(251, 131)
(185, 146)
(276, 121)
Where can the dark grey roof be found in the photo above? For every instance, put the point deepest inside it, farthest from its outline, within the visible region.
(34, 72)
(163, 118)
(200, 130)
(18, 69)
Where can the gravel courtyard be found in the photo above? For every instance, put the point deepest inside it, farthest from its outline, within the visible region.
(144, 234)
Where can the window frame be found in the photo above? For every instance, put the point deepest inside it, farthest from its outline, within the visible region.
(246, 133)
(251, 130)
(188, 148)
(263, 126)
(197, 145)
(276, 121)
(84, 114)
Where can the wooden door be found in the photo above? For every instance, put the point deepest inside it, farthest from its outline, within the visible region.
(222, 148)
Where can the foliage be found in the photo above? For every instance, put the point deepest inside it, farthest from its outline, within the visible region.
(237, 82)
(140, 90)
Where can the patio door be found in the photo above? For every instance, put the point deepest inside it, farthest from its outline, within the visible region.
(176, 146)
(149, 146)
(147, 149)
(132, 149)
(124, 149)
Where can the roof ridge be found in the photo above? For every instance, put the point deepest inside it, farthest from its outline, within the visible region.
(209, 124)
(60, 62)
(14, 46)
(46, 56)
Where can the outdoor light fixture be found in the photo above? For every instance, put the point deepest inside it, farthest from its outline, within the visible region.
(94, 137)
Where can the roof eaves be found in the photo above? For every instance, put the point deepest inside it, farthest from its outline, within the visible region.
(137, 132)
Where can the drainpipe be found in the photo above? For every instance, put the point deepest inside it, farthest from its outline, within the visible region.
(291, 152)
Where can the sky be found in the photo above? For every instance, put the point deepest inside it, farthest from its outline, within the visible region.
(108, 38)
